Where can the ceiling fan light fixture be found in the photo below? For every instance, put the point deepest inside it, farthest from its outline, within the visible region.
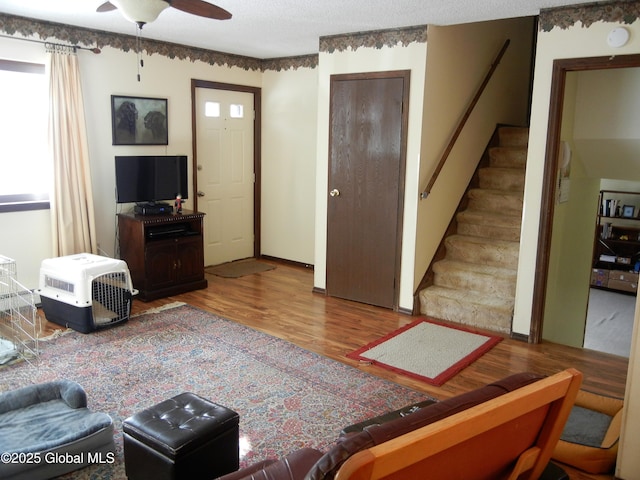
(140, 11)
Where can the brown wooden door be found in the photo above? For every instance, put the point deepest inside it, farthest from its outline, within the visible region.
(367, 147)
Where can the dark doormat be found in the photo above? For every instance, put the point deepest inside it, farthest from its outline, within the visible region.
(239, 268)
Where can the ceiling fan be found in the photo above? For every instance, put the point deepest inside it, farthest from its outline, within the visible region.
(146, 11)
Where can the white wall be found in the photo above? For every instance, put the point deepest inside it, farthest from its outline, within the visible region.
(289, 116)
(572, 42)
(570, 260)
(26, 238)
(114, 72)
(572, 240)
(602, 147)
(458, 58)
(409, 57)
(608, 141)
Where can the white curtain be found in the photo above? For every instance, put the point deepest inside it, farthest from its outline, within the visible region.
(72, 211)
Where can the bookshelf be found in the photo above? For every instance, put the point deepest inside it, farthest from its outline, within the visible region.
(616, 253)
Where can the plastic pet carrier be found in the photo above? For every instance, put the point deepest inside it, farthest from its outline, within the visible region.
(86, 292)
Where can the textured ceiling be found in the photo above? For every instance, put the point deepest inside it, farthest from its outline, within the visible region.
(281, 28)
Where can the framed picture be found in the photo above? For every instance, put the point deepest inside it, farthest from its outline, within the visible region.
(628, 211)
(139, 121)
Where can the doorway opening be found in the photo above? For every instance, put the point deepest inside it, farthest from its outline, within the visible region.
(226, 168)
(549, 268)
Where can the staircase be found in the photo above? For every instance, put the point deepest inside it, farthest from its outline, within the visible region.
(475, 283)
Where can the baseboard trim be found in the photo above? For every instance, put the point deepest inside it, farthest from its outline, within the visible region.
(520, 336)
(292, 263)
(407, 311)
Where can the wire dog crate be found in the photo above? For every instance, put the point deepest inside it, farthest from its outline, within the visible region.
(86, 292)
(19, 321)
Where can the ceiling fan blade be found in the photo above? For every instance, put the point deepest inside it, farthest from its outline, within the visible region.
(106, 7)
(200, 8)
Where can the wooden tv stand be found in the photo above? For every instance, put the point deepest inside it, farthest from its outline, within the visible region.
(164, 252)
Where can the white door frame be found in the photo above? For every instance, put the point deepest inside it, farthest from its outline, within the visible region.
(257, 156)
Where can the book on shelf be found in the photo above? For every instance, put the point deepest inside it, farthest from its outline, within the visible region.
(610, 208)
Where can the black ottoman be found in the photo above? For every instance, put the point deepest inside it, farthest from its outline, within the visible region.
(185, 437)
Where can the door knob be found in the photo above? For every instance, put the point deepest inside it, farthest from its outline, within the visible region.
(335, 192)
(200, 193)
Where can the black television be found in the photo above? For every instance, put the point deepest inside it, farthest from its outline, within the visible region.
(149, 179)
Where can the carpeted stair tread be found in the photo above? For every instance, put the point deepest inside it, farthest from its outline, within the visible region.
(500, 178)
(469, 308)
(479, 278)
(508, 157)
(502, 201)
(482, 242)
(474, 297)
(475, 283)
(489, 224)
(493, 252)
(493, 218)
(513, 136)
(490, 231)
(475, 267)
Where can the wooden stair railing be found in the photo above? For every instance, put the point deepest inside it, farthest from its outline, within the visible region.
(463, 121)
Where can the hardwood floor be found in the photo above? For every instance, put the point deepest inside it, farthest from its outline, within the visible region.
(280, 302)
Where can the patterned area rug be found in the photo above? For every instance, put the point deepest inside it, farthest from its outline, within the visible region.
(427, 350)
(287, 397)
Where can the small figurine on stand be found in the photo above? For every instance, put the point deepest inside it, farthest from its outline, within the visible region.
(179, 203)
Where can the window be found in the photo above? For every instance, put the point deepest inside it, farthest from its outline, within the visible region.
(212, 109)
(24, 159)
(236, 111)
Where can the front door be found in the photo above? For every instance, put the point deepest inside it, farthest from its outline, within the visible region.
(367, 145)
(225, 172)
